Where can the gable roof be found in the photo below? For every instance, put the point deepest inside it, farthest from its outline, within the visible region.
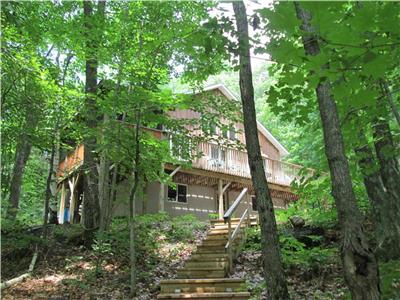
(264, 131)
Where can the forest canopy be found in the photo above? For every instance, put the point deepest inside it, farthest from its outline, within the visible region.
(113, 78)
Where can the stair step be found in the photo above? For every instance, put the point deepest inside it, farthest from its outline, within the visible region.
(209, 256)
(206, 264)
(202, 273)
(211, 249)
(216, 242)
(203, 285)
(207, 296)
(234, 221)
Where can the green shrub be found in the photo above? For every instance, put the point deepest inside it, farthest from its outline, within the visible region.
(182, 228)
(294, 253)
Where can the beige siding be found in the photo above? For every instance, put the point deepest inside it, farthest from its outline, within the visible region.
(200, 202)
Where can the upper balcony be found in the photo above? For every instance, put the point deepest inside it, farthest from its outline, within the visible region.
(214, 158)
(234, 162)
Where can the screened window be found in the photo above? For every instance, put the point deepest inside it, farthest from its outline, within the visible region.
(178, 194)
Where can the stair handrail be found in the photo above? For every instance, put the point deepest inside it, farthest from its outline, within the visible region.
(235, 232)
(228, 218)
(234, 206)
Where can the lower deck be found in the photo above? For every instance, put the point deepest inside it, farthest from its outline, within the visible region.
(193, 192)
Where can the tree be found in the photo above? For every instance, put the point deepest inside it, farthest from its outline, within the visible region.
(273, 269)
(360, 266)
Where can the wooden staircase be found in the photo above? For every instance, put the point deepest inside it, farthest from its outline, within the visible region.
(205, 273)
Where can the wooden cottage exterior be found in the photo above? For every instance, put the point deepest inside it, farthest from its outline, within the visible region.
(209, 187)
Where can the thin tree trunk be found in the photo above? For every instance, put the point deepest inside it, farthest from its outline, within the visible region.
(91, 209)
(386, 221)
(53, 186)
(359, 263)
(273, 269)
(389, 97)
(48, 192)
(386, 153)
(132, 231)
(104, 181)
(22, 154)
(23, 150)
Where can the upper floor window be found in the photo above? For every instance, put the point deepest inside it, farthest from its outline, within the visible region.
(232, 133)
(179, 148)
(217, 153)
(210, 129)
(178, 194)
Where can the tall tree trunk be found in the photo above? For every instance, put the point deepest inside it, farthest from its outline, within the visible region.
(104, 181)
(387, 226)
(359, 263)
(53, 186)
(91, 209)
(22, 154)
(48, 192)
(132, 207)
(273, 269)
(23, 150)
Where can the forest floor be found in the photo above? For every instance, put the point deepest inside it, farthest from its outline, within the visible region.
(67, 270)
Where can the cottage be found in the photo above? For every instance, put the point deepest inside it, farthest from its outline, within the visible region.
(210, 186)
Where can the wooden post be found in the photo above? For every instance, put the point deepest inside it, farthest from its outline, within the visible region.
(230, 254)
(62, 204)
(249, 199)
(220, 200)
(72, 202)
(161, 197)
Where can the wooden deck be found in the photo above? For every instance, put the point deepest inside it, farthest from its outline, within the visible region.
(214, 159)
(235, 162)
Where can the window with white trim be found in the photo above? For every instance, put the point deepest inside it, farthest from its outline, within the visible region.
(178, 194)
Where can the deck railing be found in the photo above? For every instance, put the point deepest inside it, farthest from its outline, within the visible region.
(217, 158)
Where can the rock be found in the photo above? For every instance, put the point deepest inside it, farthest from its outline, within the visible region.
(297, 222)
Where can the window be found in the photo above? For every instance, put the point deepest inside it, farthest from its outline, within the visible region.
(224, 133)
(218, 155)
(254, 203)
(210, 129)
(178, 194)
(213, 128)
(232, 133)
(179, 148)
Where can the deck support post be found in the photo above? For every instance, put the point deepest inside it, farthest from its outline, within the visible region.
(220, 199)
(72, 186)
(161, 195)
(62, 204)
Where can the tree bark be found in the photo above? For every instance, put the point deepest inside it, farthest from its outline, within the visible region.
(91, 209)
(387, 229)
(104, 181)
(359, 262)
(48, 192)
(132, 196)
(273, 269)
(387, 93)
(22, 154)
(23, 150)
(386, 153)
